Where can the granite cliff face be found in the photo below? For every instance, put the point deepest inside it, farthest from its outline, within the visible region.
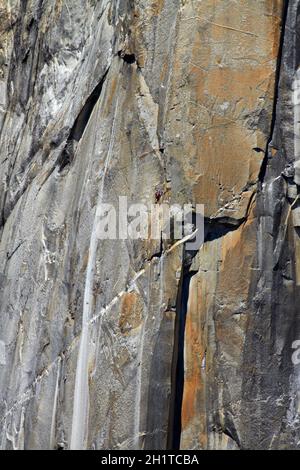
(139, 344)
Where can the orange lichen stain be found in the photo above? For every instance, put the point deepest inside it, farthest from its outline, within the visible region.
(193, 383)
(58, 8)
(131, 315)
(240, 242)
(156, 7)
(248, 83)
(274, 6)
(170, 315)
(272, 28)
(219, 137)
(224, 155)
(238, 254)
(201, 56)
(193, 406)
(273, 152)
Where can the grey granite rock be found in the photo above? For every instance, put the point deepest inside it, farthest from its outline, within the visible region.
(138, 344)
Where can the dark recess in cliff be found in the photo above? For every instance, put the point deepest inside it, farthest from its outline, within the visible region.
(80, 124)
(213, 229)
(174, 434)
(128, 58)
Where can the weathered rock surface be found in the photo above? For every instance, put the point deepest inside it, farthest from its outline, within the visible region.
(127, 344)
(241, 387)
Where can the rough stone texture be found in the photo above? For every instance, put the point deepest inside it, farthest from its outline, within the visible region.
(106, 98)
(241, 387)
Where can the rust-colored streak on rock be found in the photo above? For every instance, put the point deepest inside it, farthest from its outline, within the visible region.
(157, 6)
(215, 332)
(225, 79)
(231, 83)
(131, 314)
(223, 86)
(194, 385)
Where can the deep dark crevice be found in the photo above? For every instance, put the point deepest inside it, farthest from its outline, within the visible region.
(232, 436)
(174, 431)
(85, 114)
(264, 164)
(177, 372)
(218, 228)
(159, 253)
(128, 58)
(66, 156)
(80, 124)
(213, 229)
(258, 150)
